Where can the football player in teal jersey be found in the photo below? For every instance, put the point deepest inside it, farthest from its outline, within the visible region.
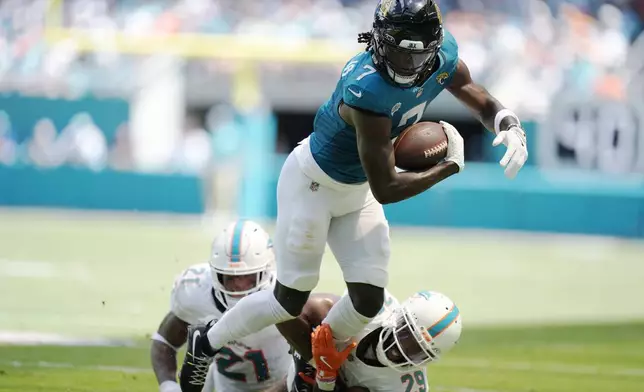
(332, 186)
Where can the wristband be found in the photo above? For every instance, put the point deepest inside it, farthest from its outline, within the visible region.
(503, 113)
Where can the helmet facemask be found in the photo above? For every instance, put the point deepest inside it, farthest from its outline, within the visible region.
(238, 285)
(406, 59)
(402, 345)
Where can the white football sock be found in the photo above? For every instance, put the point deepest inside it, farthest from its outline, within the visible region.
(344, 320)
(251, 314)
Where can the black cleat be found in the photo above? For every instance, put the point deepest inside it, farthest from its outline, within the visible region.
(199, 355)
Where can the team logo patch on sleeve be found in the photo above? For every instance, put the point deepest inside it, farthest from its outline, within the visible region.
(441, 77)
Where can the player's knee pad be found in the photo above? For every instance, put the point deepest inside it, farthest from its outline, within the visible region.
(291, 300)
(366, 299)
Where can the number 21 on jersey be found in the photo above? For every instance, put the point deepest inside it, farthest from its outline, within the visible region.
(227, 358)
(191, 275)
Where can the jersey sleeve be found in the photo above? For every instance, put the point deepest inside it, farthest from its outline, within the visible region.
(189, 292)
(361, 97)
(363, 87)
(450, 51)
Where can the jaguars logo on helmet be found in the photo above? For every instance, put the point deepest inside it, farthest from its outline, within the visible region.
(439, 14)
(385, 5)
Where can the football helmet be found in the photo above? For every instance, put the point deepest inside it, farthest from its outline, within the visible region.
(406, 38)
(419, 331)
(242, 249)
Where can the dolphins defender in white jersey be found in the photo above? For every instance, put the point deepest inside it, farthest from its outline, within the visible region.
(241, 263)
(391, 353)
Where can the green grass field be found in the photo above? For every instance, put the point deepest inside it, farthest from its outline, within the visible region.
(541, 313)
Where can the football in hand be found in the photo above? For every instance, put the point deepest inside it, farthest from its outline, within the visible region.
(420, 146)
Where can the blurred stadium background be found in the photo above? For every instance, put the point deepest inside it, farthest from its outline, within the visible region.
(130, 131)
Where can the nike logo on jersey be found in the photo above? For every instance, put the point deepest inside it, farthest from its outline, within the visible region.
(358, 94)
(195, 338)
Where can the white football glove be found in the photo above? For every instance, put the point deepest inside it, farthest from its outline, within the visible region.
(455, 147)
(517, 150)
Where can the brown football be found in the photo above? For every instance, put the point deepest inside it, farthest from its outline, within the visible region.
(421, 146)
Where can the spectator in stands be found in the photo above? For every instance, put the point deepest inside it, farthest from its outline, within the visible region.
(42, 148)
(83, 143)
(8, 146)
(194, 151)
(120, 156)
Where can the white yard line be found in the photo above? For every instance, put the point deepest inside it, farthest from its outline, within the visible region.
(42, 269)
(13, 268)
(29, 338)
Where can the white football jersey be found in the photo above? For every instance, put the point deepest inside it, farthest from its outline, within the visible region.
(253, 363)
(355, 372)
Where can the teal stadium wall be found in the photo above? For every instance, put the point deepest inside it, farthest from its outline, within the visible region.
(24, 112)
(565, 201)
(568, 201)
(68, 187)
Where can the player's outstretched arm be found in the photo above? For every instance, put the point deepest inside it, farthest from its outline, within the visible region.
(377, 156)
(172, 334)
(494, 116)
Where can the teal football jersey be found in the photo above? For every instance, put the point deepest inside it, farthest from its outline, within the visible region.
(333, 141)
